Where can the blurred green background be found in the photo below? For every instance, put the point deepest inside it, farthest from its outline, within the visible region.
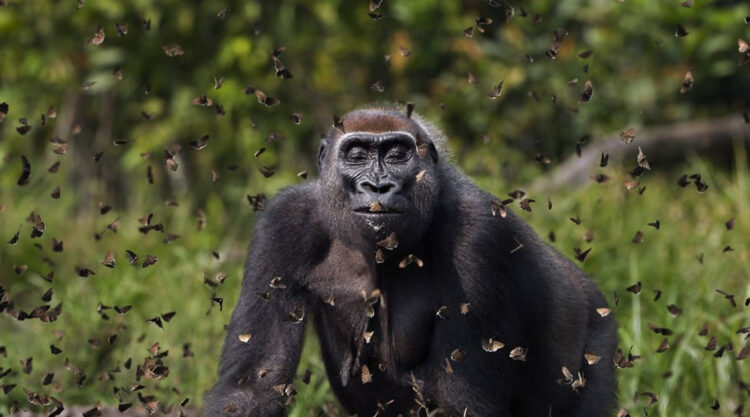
(123, 107)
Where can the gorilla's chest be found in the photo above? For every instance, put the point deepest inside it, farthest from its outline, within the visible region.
(408, 318)
(383, 318)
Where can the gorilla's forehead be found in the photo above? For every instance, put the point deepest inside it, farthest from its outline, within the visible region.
(379, 121)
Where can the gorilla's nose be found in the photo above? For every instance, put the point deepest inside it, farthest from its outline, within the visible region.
(377, 189)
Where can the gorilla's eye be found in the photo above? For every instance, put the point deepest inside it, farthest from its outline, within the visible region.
(398, 153)
(357, 155)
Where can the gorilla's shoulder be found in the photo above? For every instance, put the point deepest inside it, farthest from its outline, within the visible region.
(467, 209)
(291, 213)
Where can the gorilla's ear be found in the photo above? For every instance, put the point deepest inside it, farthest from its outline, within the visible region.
(322, 154)
(433, 152)
(423, 143)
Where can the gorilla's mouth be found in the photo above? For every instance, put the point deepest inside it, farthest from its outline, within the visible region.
(366, 210)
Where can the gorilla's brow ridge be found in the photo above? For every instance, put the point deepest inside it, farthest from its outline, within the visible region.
(363, 133)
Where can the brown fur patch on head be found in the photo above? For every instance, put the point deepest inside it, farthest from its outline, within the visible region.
(378, 120)
(386, 118)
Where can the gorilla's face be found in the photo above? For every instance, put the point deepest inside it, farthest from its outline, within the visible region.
(377, 171)
(380, 181)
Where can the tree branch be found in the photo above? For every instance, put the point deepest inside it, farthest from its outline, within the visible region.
(666, 140)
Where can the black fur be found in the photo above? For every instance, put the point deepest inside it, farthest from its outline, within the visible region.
(520, 291)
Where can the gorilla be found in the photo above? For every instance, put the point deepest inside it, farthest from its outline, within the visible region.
(429, 296)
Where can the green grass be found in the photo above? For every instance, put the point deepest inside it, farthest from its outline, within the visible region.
(666, 260)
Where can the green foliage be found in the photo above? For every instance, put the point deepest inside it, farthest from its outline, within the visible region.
(336, 53)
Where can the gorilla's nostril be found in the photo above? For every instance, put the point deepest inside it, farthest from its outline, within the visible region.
(384, 188)
(368, 187)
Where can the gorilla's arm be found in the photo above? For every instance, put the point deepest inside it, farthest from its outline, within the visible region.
(265, 334)
(528, 295)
